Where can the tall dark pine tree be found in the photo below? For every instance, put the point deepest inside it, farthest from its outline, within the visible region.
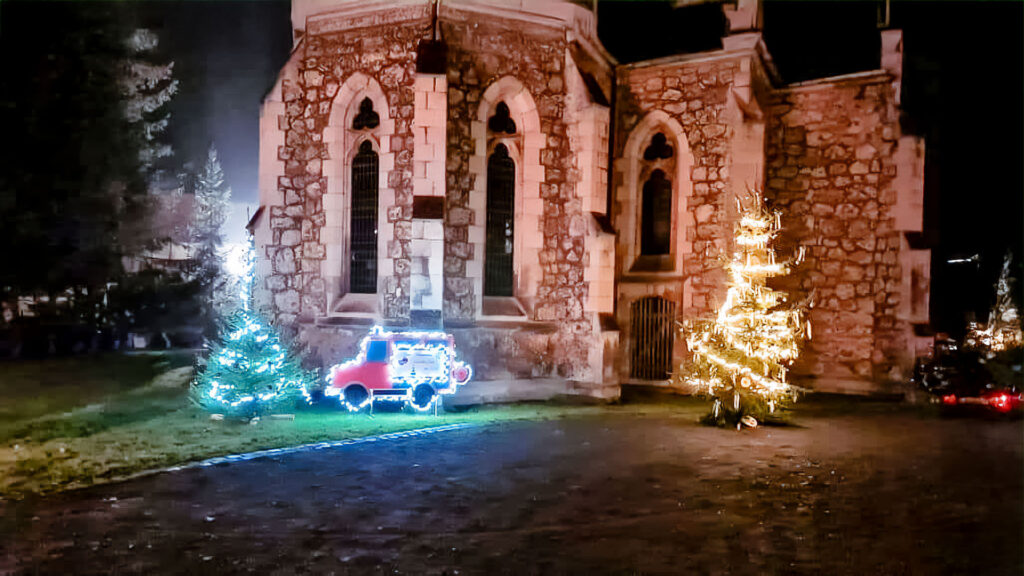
(147, 86)
(75, 174)
(64, 184)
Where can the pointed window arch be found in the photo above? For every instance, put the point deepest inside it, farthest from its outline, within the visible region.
(363, 224)
(505, 200)
(656, 163)
(500, 234)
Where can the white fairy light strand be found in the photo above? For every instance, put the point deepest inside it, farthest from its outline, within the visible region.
(751, 340)
(409, 342)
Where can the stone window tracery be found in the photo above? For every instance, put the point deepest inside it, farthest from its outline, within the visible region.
(658, 149)
(367, 118)
(505, 232)
(356, 261)
(501, 122)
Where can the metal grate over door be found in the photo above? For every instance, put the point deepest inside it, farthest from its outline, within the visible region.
(363, 236)
(652, 334)
(501, 193)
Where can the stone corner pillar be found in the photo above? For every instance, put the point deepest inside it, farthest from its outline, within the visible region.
(426, 278)
(743, 15)
(430, 125)
(892, 59)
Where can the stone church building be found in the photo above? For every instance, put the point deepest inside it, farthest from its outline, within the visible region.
(486, 166)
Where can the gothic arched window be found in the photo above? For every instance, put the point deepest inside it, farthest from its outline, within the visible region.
(363, 230)
(656, 215)
(501, 191)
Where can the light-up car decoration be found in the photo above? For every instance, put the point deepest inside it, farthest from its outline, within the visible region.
(415, 368)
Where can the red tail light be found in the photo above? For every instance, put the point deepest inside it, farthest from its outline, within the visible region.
(1000, 402)
(949, 399)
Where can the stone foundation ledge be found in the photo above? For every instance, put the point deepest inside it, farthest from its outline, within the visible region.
(534, 389)
(826, 386)
(847, 386)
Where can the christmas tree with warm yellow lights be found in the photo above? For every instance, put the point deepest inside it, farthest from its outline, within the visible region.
(1002, 332)
(741, 356)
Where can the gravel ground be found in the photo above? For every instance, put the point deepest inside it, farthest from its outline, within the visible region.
(853, 488)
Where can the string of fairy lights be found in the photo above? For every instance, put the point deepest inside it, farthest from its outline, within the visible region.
(742, 355)
(249, 369)
(1002, 331)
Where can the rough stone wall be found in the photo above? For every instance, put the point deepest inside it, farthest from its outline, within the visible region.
(830, 148)
(695, 95)
(483, 49)
(522, 359)
(324, 59)
(828, 162)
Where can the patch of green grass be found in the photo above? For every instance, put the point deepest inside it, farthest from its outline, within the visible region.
(116, 412)
(35, 388)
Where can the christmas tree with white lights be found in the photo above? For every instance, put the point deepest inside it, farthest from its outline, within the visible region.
(1003, 330)
(741, 356)
(249, 370)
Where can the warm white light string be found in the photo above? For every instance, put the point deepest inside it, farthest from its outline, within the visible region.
(751, 340)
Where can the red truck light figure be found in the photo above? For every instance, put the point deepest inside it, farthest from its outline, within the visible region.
(408, 367)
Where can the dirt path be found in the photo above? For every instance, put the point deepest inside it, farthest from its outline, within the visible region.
(874, 490)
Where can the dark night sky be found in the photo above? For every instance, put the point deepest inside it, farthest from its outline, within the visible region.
(963, 91)
(226, 56)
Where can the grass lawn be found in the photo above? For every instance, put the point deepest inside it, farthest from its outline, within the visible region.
(72, 422)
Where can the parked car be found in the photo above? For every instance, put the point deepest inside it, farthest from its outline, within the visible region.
(961, 379)
(413, 368)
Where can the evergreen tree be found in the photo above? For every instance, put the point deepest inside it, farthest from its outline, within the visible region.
(84, 108)
(210, 211)
(741, 356)
(1003, 329)
(212, 202)
(148, 87)
(72, 178)
(249, 370)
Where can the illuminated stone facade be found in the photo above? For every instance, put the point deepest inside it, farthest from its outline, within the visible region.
(618, 184)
